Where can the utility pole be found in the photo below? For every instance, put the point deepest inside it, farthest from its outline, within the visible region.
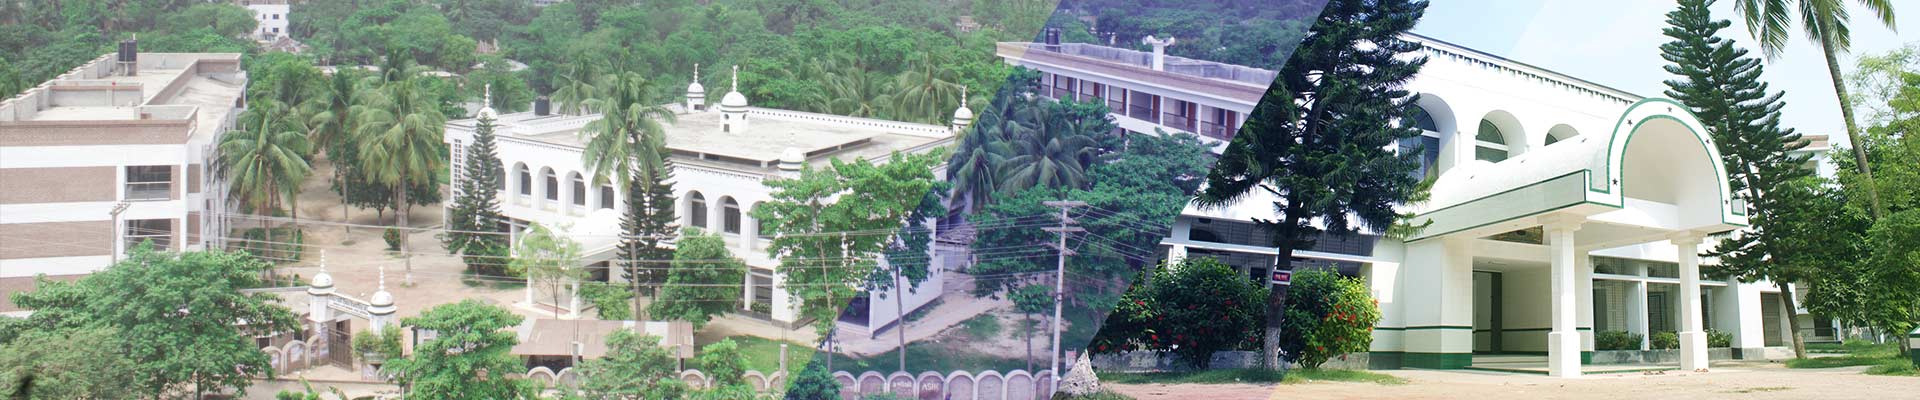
(114, 241)
(1060, 277)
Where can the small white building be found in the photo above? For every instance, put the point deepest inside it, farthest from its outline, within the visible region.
(722, 156)
(272, 15)
(1562, 208)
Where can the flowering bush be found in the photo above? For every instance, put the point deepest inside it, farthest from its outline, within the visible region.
(1327, 316)
(1191, 309)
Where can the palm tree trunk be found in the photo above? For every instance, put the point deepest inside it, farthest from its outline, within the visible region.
(1028, 330)
(400, 194)
(1853, 130)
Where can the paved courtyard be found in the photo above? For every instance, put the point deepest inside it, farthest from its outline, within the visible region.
(1727, 381)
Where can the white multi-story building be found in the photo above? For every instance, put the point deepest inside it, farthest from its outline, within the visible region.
(1561, 208)
(272, 16)
(722, 156)
(110, 154)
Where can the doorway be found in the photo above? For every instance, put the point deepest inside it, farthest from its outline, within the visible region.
(1487, 312)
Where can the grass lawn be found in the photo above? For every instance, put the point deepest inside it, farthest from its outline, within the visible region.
(763, 354)
(1884, 357)
(1254, 376)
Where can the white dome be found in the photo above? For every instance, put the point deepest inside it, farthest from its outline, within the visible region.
(734, 100)
(381, 298)
(322, 280)
(696, 88)
(963, 114)
(487, 112)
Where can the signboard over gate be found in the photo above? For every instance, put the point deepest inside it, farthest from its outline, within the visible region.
(349, 305)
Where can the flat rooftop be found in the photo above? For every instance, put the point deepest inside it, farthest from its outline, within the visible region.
(197, 90)
(1241, 83)
(768, 136)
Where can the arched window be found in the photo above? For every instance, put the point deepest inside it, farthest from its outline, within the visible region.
(526, 179)
(696, 210)
(1427, 144)
(606, 197)
(1492, 144)
(729, 215)
(1560, 132)
(579, 189)
(1423, 120)
(553, 185)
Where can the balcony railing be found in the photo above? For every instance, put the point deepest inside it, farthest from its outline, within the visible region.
(1141, 111)
(1062, 93)
(1215, 130)
(1116, 105)
(149, 190)
(1178, 121)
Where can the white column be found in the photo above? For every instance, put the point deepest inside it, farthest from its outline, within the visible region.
(1749, 333)
(783, 309)
(1583, 282)
(746, 296)
(1563, 343)
(1177, 253)
(1693, 338)
(749, 231)
(1637, 311)
(573, 301)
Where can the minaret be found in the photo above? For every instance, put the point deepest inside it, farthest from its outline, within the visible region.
(733, 107)
(486, 103)
(696, 94)
(380, 307)
(963, 116)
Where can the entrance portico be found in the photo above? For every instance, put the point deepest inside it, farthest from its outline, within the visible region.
(1654, 181)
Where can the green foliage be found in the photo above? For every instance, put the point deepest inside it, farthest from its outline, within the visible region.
(704, 282)
(68, 364)
(180, 316)
(814, 383)
(550, 260)
(468, 359)
(1327, 316)
(475, 222)
(1191, 309)
(1617, 340)
(722, 362)
(377, 346)
(276, 245)
(1664, 341)
(610, 302)
(1880, 289)
(265, 158)
(1718, 339)
(1329, 156)
(826, 269)
(392, 237)
(635, 367)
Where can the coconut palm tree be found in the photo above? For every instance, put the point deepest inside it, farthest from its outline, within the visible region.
(265, 160)
(631, 132)
(399, 130)
(331, 120)
(859, 93)
(1048, 150)
(1825, 23)
(926, 92)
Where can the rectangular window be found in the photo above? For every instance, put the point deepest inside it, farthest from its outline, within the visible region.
(579, 193)
(149, 182)
(160, 231)
(606, 197)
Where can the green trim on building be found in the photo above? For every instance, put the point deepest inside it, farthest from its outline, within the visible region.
(1384, 360)
(1436, 360)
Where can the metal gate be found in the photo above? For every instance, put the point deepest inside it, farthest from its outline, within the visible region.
(340, 344)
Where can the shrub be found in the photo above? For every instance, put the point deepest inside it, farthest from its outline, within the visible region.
(723, 363)
(1191, 309)
(1717, 339)
(1327, 315)
(392, 236)
(374, 347)
(1665, 341)
(1616, 340)
(814, 383)
(610, 302)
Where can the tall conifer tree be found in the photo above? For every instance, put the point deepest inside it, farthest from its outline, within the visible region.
(1722, 86)
(648, 220)
(475, 217)
(1320, 140)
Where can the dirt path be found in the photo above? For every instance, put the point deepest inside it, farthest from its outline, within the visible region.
(1733, 381)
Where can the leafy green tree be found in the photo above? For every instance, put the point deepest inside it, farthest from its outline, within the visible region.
(1722, 86)
(467, 359)
(184, 323)
(1201, 306)
(705, 280)
(610, 302)
(1321, 146)
(636, 367)
(1881, 293)
(266, 163)
(76, 364)
(1825, 23)
(814, 382)
(723, 363)
(1033, 297)
(475, 219)
(824, 218)
(551, 262)
(1330, 316)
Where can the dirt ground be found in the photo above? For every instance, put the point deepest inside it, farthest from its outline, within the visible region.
(1730, 381)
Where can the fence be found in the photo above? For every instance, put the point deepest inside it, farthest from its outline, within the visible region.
(958, 385)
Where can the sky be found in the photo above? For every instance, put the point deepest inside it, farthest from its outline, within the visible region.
(1616, 43)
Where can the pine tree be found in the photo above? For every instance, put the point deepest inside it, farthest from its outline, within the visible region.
(649, 218)
(475, 217)
(1320, 140)
(1722, 86)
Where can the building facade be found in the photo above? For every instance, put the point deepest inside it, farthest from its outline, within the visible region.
(722, 157)
(273, 17)
(1560, 208)
(110, 154)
